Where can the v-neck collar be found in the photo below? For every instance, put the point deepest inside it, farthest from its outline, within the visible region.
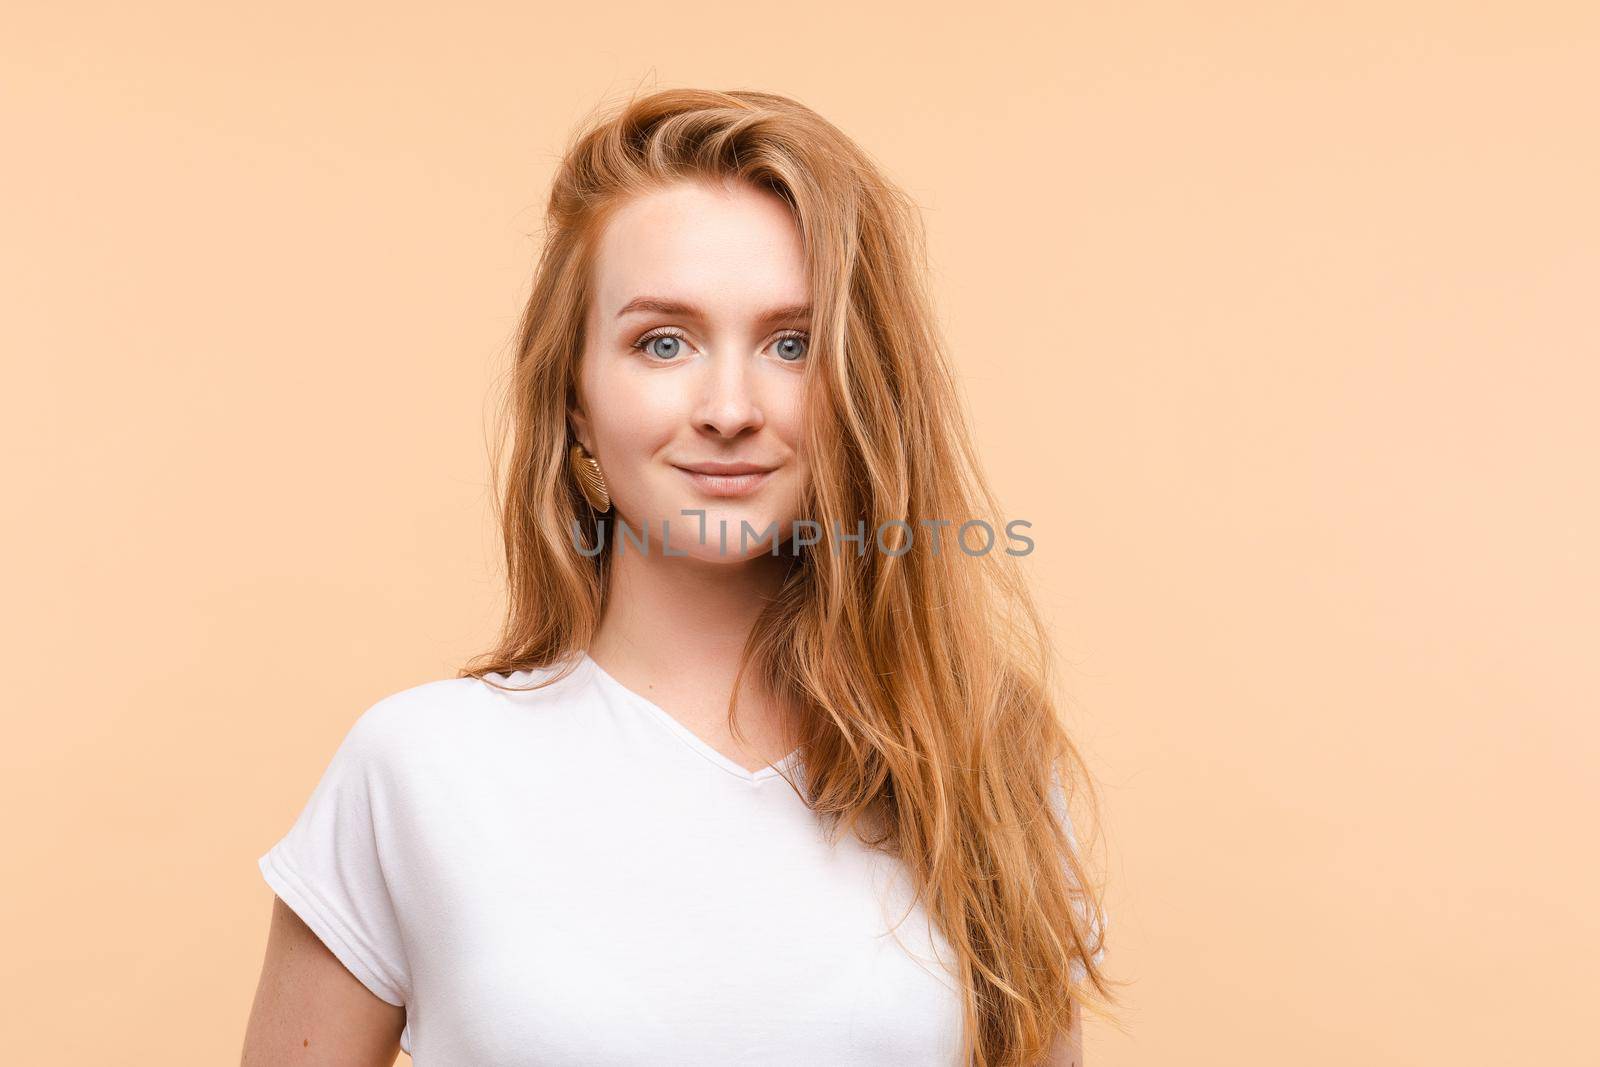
(691, 739)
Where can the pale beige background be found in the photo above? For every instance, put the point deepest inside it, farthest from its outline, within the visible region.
(1278, 321)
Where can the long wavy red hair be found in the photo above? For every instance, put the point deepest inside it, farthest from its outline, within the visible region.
(924, 679)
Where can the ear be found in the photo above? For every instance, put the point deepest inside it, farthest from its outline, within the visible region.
(580, 428)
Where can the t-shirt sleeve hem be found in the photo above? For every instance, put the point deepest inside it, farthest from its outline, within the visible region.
(358, 958)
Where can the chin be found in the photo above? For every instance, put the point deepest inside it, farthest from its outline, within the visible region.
(713, 546)
(710, 554)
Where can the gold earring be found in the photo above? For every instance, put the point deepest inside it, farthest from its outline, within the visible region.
(586, 469)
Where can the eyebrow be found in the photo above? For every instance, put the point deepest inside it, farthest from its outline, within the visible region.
(662, 306)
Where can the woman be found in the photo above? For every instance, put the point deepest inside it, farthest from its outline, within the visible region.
(765, 768)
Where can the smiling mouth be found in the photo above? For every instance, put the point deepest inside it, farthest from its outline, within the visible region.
(727, 485)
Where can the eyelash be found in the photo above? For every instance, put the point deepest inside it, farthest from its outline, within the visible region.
(668, 331)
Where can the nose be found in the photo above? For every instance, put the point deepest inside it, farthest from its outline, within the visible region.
(727, 404)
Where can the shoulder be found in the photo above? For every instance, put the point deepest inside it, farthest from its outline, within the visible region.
(407, 721)
(427, 700)
(442, 719)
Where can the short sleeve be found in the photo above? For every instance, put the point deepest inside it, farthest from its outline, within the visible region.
(329, 867)
(1097, 922)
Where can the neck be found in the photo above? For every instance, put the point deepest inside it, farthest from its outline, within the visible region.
(682, 621)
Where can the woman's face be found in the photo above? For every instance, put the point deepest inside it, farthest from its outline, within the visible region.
(695, 357)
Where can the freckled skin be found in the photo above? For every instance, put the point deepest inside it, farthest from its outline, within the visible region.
(304, 989)
(1067, 1051)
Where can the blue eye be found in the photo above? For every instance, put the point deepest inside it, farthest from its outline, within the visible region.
(663, 355)
(789, 343)
(791, 347)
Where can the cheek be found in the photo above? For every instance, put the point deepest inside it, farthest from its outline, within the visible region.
(787, 415)
(632, 422)
(633, 440)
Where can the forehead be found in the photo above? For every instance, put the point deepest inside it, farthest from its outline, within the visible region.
(732, 249)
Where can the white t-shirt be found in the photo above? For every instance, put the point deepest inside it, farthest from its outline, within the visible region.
(571, 876)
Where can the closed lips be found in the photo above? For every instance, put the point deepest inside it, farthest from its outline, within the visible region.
(724, 469)
(728, 479)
